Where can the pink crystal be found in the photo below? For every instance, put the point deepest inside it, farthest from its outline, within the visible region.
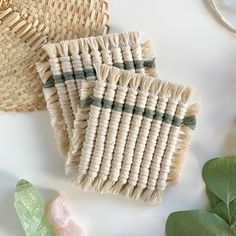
(59, 216)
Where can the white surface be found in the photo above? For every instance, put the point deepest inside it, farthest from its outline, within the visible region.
(191, 49)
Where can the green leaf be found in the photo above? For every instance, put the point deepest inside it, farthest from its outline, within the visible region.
(30, 209)
(220, 178)
(213, 199)
(196, 223)
(221, 210)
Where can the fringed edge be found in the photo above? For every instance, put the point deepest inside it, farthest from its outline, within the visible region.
(51, 98)
(96, 184)
(146, 83)
(107, 187)
(181, 147)
(101, 41)
(148, 51)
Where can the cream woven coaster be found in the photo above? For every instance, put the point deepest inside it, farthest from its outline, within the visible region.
(25, 26)
(69, 79)
(138, 130)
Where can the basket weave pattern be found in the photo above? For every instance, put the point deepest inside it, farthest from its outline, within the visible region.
(25, 26)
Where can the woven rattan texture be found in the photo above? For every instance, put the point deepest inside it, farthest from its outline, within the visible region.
(25, 25)
(136, 128)
(71, 80)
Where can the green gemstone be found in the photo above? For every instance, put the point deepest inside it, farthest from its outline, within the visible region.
(30, 208)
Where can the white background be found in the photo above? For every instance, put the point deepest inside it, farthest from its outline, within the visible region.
(191, 48)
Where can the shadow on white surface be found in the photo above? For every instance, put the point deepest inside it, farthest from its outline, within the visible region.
(46, 142)
(9, 220)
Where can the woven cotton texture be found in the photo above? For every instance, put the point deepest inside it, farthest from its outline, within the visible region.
(138, 130)
(69, 79)
(25, 26)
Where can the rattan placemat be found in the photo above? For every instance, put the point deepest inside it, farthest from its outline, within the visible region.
(69, 80)
(138, 130)
(25, 26)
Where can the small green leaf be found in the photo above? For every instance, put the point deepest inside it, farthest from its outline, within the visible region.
(220, 178)
(30, 209)
(196, 223)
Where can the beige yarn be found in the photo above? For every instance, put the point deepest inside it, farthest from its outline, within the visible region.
(73, 71)
(137, 132)
(25, 26)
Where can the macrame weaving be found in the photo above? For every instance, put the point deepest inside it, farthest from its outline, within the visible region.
(25, 26)
(137, 132)
(69, 78)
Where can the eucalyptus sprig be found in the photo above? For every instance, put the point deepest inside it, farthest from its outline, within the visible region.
(219, 176)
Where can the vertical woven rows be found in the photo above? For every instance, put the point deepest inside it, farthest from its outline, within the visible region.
(69, 88)
(27, 24)
(121, 131)
(136, 126)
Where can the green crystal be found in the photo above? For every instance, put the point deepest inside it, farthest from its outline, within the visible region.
(30, 208)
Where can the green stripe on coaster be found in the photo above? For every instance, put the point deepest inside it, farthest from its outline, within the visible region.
(90, 72)
(119, 65)
(97, 102)
(69, 76)
(79, 74)
(139, 64)
(177, 121)
(168, 118)
(107, 104)
(87, 73)
(150, 114)
(49, 84)
(139, 111)
(149, 63)
(129, 65)
(86, 102)
(58, 79)
(118, 106)
(190, 121)
(128, 108)
(158, 116)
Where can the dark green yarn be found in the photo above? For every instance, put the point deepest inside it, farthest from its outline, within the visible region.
(79, 74)
(90, 72)
(58, 79)
(190, 121)
(151, 114)
(87, 73)
(129, 65)
(50, 83)
(86, 102)
(149, 63)
(139, 64)
(119, 65)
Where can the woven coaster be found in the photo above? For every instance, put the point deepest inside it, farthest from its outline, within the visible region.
(138, 130)
(69, 79)
(25, 26)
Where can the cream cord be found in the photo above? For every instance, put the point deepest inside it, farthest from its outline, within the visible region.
(220, 17)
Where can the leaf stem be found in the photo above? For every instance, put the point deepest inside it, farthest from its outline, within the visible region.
(229, 216)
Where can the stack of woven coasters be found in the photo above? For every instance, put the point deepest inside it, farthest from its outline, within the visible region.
(121, 129)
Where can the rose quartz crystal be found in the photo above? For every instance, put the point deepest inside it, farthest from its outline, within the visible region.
(58, 213)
